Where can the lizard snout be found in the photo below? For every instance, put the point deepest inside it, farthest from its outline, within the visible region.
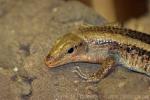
(48, 58)
(51, 61)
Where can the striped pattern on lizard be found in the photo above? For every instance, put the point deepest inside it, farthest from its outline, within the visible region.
(106, 45)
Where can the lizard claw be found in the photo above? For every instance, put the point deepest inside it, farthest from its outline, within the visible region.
(80, 73)
(87, 78)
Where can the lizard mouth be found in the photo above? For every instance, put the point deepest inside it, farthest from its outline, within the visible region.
(54, 62)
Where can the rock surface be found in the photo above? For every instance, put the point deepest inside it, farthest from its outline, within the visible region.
(28, 28)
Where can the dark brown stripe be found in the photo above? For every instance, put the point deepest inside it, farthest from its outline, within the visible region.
(127, 32)
(133, 49)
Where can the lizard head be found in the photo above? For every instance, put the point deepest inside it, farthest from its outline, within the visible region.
(69, 48)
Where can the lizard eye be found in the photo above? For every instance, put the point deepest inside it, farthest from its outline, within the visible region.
(70, 50)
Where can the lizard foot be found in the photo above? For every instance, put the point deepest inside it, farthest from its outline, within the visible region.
(106, 67)
(87, 78)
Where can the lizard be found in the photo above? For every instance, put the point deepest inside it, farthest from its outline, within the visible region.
(106, 45)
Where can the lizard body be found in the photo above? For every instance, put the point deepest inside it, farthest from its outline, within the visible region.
(108, 45)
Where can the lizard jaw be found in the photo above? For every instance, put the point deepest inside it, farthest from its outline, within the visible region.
(82, 58)
(53, 63)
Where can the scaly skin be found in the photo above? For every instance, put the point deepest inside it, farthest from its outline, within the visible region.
(106, 45)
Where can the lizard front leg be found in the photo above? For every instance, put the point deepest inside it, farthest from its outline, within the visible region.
(107, 65)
